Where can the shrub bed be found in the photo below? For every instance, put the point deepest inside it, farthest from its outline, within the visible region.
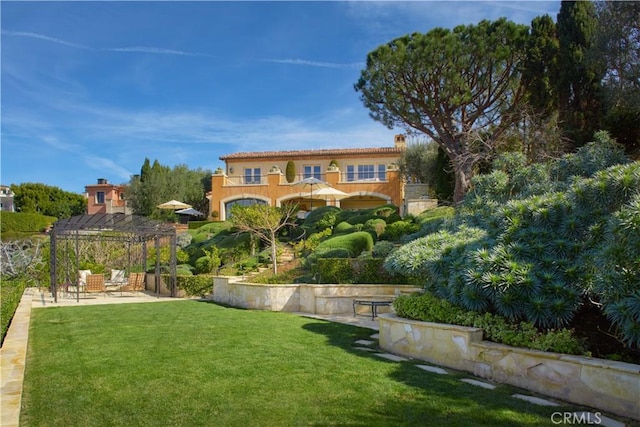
(11, 292)
(538, 242)
(199, 285)
(428, 308)
(354, 270)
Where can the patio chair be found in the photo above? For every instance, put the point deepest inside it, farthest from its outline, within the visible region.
(117, 278)
(82, 277)
(135, 283)
(95, 283)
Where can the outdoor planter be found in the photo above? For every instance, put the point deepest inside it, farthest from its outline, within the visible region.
(603, 384)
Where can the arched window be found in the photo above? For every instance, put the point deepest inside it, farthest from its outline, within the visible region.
(242, 202)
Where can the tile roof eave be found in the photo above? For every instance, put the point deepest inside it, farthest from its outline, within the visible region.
(312, 153)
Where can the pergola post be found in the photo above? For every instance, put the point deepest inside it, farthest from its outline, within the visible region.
(52, 268)
(172, 264)
(157, 270)
(119, 227)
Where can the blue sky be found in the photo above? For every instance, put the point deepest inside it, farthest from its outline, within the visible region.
(89, 89)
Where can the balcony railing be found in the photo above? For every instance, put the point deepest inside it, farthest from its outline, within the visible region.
(345, 178)
(242, 180)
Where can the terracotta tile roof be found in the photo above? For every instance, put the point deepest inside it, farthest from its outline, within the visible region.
(314, 153)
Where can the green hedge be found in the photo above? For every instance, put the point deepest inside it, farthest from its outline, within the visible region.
(25, 222)
(193, 225)
(428, 308)
(398, 229)
(199, 285)
(352, 270)
(11, 292)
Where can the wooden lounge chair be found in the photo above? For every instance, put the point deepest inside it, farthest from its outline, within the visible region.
(135, 283)
(95, 283)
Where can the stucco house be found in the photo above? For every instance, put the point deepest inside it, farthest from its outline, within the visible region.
(6, 199)
(104, 197)
(369, 177)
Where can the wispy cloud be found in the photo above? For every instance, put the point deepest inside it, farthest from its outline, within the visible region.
(165, 51)
(138, 49)
(539, 7)
(59, 145)
(157, 50)
(102, 164)
(311, 63)
(43, 37)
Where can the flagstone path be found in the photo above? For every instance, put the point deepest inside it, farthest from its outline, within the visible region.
(590, 417)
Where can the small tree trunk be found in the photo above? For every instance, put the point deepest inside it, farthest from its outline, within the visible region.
(274, 252)
(463, 173)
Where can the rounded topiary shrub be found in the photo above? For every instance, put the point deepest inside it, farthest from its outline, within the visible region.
(334, 253)
(398, 229)
(321, 218)
(290, 171)
(343, 228)
(355, 243)
(183, 272)
(385, 211)
(360, 218)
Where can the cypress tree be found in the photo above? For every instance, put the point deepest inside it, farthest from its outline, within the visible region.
(578, 83)
(541, 66)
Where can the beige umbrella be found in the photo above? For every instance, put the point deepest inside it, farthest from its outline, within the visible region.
(329, 193)
(173, 204)
(311, 181)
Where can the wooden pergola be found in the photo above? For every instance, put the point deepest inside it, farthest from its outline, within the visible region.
(130, 230)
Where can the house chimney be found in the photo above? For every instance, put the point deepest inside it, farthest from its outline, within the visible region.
(400, 142)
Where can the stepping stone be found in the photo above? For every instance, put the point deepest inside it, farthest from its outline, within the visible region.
(591, 418)
(535, 400)
(478, 383)
(363, 348)
(375, 337)
(392, 357)
(433, 369)
(365, 342)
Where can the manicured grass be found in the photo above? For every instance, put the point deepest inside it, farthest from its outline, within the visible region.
(192, 363)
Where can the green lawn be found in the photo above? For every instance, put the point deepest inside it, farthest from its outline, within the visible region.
(192, 363)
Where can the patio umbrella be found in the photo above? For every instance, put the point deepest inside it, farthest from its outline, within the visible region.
(173, 204)
(330, 193)
(311, 181)
(190, 211)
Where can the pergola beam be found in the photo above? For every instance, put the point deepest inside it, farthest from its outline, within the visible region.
(113, 227)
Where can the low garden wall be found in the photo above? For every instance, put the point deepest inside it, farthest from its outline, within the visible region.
(306, 298)
(607, 385)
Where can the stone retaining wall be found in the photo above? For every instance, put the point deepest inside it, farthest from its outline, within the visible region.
(306, 298)
(607, 385)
